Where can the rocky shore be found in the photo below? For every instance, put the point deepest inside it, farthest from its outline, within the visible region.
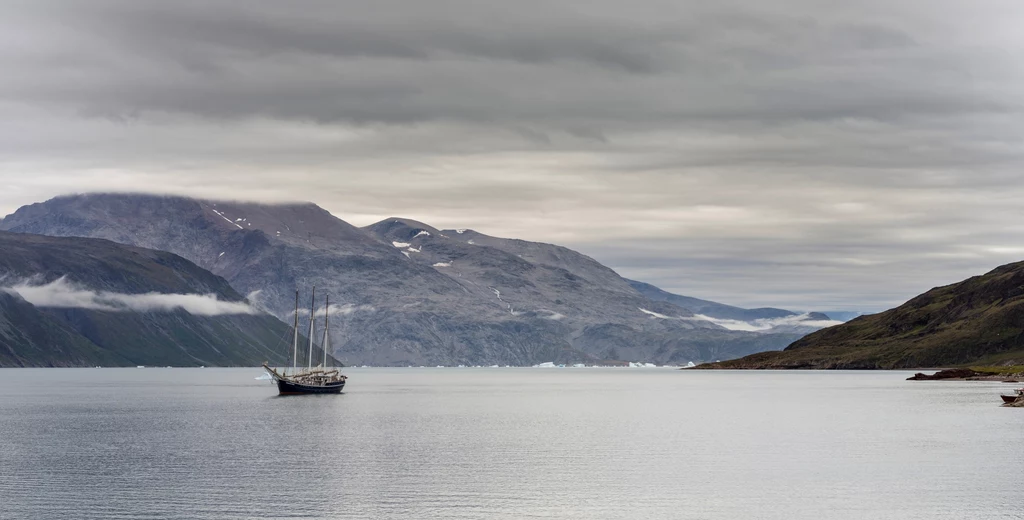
(967, 374)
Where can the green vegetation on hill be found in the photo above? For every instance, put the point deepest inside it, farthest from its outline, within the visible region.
(979, 321)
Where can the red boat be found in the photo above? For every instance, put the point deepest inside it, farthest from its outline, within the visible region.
(1017, 395)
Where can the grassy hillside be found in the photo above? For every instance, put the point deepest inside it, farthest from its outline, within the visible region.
(979, 321)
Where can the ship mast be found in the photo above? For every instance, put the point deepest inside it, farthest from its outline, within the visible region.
(295, 336)
(312, 322)
(327, 328)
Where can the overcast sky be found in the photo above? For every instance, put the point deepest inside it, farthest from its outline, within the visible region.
(809, 155)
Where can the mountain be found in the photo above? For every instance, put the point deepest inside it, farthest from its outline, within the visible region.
(84, 302)
(599, 315)
(979, 321)
(407, 293)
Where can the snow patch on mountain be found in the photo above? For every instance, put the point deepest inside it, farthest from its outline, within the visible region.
(229, 221)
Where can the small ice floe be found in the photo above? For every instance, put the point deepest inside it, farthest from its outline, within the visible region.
(494, 366)
(141, 366)
(579, 365)
(642, 365)
(547, 364)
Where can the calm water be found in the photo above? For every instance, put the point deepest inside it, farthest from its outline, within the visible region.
(506, 443)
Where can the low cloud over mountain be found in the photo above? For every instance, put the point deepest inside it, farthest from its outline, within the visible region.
(62, 293)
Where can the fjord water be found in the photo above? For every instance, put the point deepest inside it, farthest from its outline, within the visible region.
(506, 443)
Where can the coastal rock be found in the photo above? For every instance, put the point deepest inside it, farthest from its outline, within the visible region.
(953, 373)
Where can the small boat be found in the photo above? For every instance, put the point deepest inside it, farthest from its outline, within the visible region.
(312, 380)
(1017, 394)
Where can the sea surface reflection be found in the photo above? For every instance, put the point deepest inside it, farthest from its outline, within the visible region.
(506, 443)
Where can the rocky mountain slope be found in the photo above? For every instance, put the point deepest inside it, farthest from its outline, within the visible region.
(84, 302)
(408, 293)
(979, 321)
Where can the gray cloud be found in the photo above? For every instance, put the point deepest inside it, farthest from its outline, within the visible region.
(789, 153)
(337, 310)
(766, 324)
(62, 293)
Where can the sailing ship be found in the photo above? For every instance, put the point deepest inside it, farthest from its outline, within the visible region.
(311, 380)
